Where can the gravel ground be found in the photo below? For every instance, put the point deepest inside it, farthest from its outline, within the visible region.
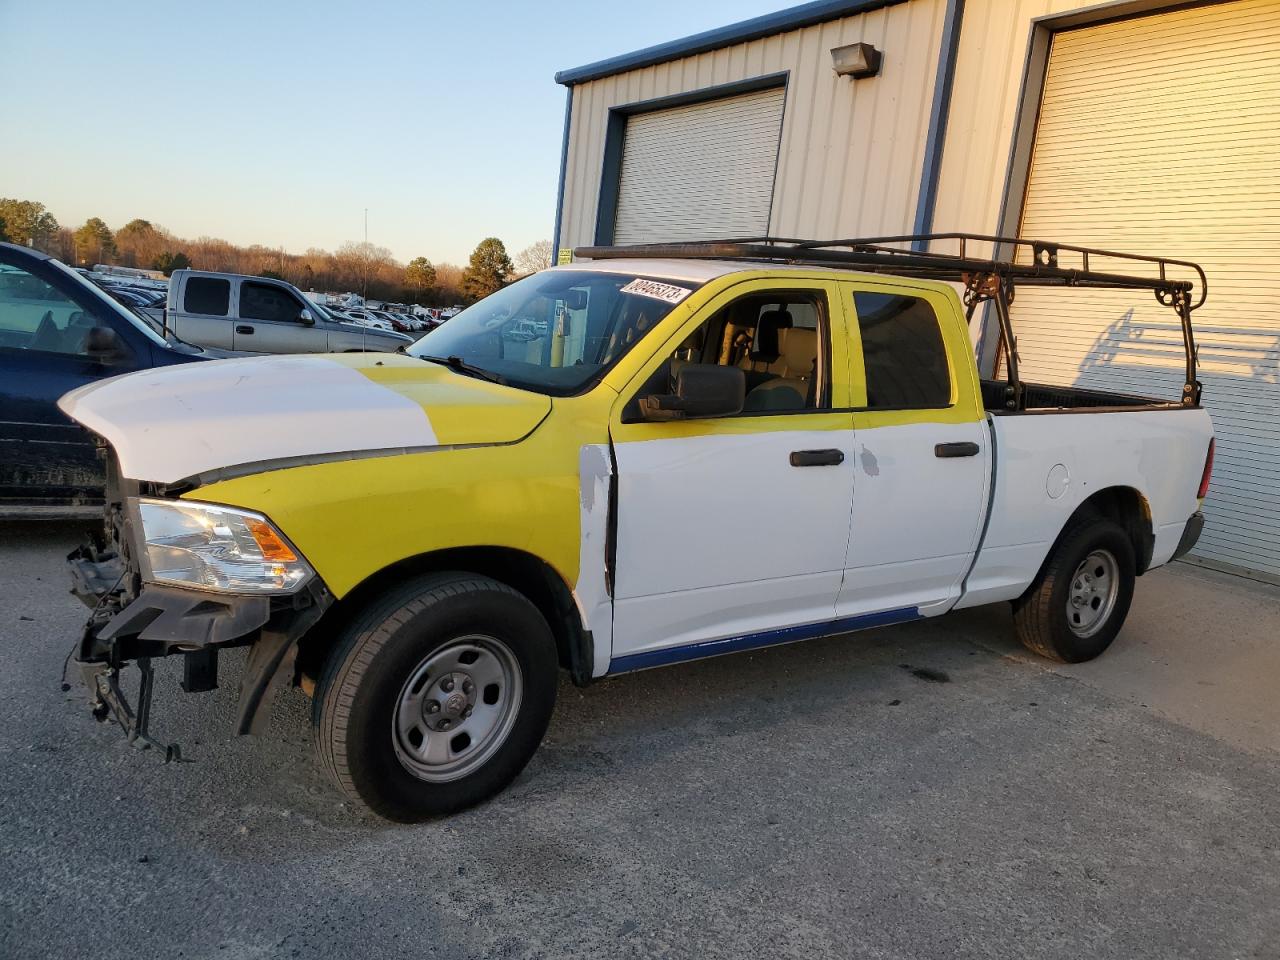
(916, 791)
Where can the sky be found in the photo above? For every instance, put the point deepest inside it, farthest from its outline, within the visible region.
(280, 122)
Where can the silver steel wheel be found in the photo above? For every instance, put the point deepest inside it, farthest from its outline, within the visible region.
(457, 708)
(1094, 589)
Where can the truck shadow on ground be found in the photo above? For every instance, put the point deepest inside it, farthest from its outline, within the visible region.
(658, 726)
(243, 796)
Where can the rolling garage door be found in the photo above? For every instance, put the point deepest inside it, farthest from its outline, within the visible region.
(703, 171)
(1162, 134)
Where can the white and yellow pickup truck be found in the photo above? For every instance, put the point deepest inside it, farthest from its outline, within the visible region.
(661, 454)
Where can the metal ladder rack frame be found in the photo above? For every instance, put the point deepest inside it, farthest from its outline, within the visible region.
(993, 277)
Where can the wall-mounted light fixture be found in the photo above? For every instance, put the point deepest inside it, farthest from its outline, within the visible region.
(856, 61)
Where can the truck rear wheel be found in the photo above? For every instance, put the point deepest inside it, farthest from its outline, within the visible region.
(1078, 604)
(435, 696)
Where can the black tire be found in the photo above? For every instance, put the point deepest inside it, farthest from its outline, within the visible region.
(1042, 616)
(355, 710)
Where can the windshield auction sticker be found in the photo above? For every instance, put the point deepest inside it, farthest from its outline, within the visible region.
(659, 291)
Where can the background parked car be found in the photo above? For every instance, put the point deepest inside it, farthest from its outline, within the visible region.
(58, 331)
(368, 319)
(258, 315)
(130, 296)
(397, 323)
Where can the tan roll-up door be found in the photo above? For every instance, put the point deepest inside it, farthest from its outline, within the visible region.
(701, 171)
(1162, 134)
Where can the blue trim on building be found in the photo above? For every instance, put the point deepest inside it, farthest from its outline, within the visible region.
(719, 91)
(564, 166)
(753, 641)
(615, 133)
(805, 15)
(941, 109)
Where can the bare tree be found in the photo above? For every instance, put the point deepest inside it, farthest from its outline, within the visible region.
(449, 284)
(141, 243)
(535, 257)
(362, 262)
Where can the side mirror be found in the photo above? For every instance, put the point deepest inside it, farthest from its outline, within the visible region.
(702, 390)
(103, 345)
(306, 317)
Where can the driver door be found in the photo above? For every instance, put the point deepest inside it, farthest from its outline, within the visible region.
(732, 531)
(45, 458)
(269, 320)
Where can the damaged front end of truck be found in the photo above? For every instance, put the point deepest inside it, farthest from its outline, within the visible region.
(139, 613)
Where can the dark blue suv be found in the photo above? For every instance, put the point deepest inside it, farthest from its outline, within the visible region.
(57, 332)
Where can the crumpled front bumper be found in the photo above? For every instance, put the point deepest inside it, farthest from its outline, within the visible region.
(133, 622)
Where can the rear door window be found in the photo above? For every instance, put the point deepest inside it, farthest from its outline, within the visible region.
(207, 295)
(903, 354)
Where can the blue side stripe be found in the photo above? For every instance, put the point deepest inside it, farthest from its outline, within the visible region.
(753, 641)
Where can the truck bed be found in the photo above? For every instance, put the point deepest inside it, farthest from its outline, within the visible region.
(1148, 451)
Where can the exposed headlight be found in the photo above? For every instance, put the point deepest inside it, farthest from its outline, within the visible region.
(216, 548)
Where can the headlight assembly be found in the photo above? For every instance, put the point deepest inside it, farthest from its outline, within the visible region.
(207, 547)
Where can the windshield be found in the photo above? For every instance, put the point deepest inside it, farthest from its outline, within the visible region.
(147, 324)
(556, 332)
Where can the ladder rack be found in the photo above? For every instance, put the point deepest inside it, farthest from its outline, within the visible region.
(991, 272)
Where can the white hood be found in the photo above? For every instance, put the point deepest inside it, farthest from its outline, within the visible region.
(171, 423)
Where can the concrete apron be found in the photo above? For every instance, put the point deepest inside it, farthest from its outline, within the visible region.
(1200, 648)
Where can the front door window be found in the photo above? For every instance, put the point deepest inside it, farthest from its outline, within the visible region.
(262, 301)
(36, 317)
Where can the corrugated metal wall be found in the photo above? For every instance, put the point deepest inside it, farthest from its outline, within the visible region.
(1162, 133)
(984, 106)
(990, 62)
(851, 151)
(1139, 154)
(850, 163)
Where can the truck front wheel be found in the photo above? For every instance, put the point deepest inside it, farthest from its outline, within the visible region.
(1078, 604)
(435, 696)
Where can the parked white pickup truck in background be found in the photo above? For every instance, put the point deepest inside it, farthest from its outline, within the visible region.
(260, 315)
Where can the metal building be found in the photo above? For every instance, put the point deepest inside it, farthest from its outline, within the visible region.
(1144, 125)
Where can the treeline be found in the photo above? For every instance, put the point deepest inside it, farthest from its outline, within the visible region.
(363, 268)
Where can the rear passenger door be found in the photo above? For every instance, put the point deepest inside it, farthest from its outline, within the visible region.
(205, 312)
(732, 531)
(923, 458)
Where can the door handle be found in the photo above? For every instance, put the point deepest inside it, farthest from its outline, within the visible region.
(964, 448)
(817, 458)
(244, 328)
